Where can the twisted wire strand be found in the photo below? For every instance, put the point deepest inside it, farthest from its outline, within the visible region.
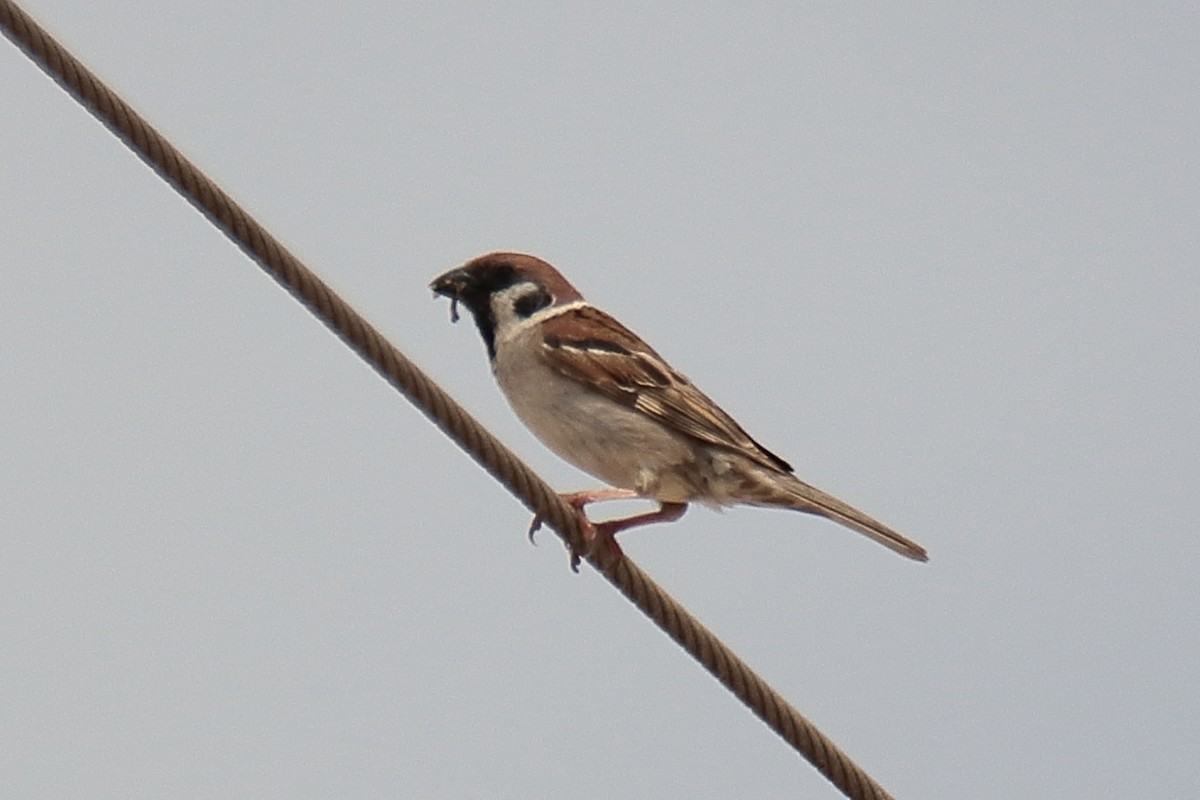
(432, 401)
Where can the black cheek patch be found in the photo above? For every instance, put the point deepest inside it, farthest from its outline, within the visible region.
(529, 304)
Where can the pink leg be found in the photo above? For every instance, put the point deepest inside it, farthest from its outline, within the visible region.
(667, 512)
(594, 533)
(604, 534)
(577, 500)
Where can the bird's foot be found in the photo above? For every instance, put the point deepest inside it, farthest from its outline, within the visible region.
(599, 542)
(600, 538)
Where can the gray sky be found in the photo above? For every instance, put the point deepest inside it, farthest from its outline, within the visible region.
(943, 260)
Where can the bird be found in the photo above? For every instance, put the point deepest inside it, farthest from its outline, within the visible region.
(603, 400)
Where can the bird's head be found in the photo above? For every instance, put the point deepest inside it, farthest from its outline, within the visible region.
(503, 289)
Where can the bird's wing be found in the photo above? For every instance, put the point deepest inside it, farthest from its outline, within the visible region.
(587, 345)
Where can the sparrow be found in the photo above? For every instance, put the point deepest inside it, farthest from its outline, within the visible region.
(603, 400)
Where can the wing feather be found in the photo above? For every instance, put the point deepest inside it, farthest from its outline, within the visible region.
(589, 346)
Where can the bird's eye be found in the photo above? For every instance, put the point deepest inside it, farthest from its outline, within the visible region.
(531, 302)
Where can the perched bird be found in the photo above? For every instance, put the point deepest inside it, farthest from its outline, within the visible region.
(597, 395)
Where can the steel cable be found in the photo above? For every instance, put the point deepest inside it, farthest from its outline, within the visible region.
(431, 400)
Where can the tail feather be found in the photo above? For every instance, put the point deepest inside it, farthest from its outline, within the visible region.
(801, 496)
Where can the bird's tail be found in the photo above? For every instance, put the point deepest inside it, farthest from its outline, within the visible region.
(795, 493)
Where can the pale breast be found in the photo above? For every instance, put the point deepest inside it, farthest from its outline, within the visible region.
(615, 443)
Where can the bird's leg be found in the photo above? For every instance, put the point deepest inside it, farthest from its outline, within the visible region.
(596, 532)
(577, 500)
(667, 512)
(604, 534)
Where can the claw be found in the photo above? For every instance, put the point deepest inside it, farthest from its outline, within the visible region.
(588, 535)
(600, 537)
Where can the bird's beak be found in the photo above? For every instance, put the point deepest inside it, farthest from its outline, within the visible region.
(451, 284)
(454, 285)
